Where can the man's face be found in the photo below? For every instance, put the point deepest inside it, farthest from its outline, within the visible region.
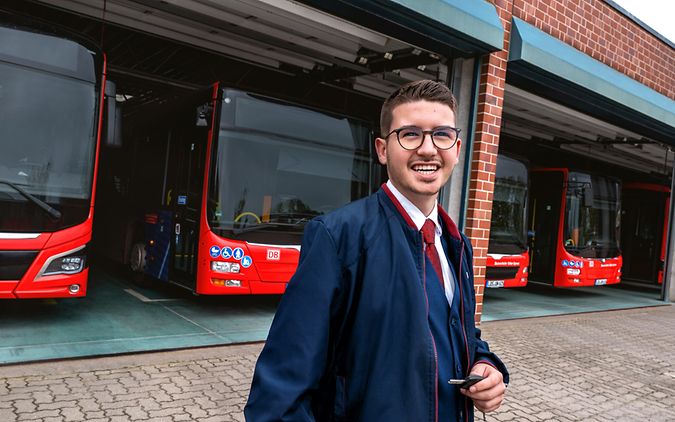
(418, 174)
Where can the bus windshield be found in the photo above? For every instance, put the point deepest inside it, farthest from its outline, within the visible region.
(48, 131)
(592, 216)
(509, 204)
(271, 175)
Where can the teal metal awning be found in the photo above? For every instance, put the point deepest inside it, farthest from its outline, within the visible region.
(475, 19)
(460, 27)
(557, 70)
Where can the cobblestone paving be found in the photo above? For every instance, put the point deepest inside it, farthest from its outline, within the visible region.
(606, 366)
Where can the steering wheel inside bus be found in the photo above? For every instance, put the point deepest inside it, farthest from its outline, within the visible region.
(244, 214)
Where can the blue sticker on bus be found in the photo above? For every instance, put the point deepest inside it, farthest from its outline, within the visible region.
(573, 264)
(214, 251)
(246, 261)
(182, 199)
(238, 254)
(227, 252)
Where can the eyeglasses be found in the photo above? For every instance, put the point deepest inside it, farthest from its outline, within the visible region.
(412, 137)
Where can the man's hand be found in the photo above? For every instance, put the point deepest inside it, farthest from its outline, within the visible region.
(488, 394)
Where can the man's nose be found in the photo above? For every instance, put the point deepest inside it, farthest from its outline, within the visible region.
(427, 147)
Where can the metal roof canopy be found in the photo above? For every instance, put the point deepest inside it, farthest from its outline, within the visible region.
(466, 28)
(552, 69)
(531, 117)
(293, 39)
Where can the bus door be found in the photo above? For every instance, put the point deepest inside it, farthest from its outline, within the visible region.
(642, 233)
(184, 198)
(545, 214)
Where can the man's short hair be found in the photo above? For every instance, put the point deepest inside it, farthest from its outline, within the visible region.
(424, 90)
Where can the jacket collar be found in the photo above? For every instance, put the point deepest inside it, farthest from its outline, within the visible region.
(443, 216)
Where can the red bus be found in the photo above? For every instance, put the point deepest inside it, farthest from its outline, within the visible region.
(225, 181)
(644, 232)
(575, 221)
(52, 90)
(508, 257)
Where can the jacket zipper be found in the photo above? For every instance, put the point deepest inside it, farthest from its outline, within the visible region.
(433, 341)
(461, 316)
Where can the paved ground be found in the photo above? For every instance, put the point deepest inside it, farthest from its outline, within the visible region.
(604, 366)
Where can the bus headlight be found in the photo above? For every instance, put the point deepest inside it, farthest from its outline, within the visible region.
(71, 262)
(226, 283)
(225, 267)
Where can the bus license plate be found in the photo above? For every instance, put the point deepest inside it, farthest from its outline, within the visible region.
(600, 281)
(495, 283)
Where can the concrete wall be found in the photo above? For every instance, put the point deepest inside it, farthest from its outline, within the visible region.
(462, 86)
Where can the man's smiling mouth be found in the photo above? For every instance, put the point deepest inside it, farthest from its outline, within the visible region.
(425, 168)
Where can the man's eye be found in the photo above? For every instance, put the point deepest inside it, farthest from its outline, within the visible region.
(410, 133)
(442, 133)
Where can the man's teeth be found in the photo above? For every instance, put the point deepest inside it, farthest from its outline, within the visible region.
(425, 168)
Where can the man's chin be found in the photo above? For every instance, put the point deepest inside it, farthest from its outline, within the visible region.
(430, 189)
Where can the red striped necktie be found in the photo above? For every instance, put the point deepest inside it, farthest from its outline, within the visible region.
(429, 237)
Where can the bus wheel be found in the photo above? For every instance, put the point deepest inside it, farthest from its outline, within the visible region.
(137, 263)
(137, 257)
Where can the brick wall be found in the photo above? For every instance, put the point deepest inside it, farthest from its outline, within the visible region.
(483, 165)
(602, 32)
(591, 26)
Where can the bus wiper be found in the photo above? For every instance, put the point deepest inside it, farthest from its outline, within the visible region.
(53, 213)
(263, 226)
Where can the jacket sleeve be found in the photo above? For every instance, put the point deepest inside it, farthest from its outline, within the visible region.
(484, 355)
(295, 356)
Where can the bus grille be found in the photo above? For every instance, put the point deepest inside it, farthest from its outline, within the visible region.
(500, 273)
(14, 264)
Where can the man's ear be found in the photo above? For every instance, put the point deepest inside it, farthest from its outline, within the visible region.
(381, 148)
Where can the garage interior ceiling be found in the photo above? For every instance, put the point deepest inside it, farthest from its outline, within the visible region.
(530, 117)
(279, 35)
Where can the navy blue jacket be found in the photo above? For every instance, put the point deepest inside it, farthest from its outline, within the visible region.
(351, 340)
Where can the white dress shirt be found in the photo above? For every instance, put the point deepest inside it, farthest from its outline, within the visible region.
(419, 219)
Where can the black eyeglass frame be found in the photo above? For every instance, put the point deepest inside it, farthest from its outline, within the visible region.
(429, 132)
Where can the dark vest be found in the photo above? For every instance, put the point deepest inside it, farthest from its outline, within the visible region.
(445, 325)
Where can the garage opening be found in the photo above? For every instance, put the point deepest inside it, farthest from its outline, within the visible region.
(165, 56)
(593, 233)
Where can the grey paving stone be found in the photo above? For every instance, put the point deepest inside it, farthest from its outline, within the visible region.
(606, 366)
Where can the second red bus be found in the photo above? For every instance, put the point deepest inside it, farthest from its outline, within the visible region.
(576, 225)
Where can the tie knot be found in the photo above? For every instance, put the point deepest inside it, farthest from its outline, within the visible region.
(429, 232)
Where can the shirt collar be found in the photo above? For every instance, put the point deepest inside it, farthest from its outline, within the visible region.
(414, 213)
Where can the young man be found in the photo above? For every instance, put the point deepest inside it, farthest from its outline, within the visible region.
(375, 321)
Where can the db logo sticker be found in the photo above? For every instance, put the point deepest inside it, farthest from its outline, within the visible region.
(273, 254)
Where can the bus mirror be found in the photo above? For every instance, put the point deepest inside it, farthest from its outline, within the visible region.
(203, 115)
(113, 120)
(588, 197)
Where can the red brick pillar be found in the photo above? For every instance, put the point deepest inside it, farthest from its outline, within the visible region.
(484, 158)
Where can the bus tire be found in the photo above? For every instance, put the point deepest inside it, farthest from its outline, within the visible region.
(137, 264)
(137, 257)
